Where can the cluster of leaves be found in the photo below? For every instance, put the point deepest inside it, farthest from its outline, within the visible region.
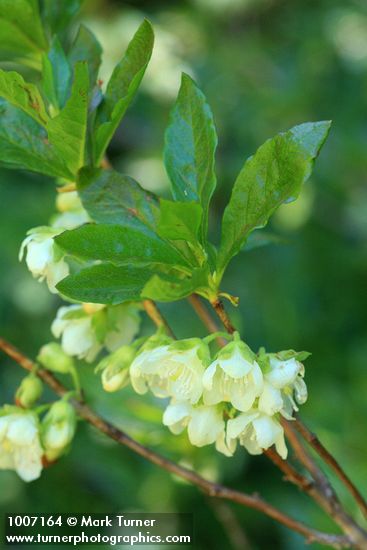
(138, 246)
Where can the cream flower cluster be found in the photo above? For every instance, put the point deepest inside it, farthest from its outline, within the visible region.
(237, 397)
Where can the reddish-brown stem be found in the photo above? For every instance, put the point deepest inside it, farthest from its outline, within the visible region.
(208, 487)
(156, 316)
(223, 316)
(205, 317)
(326, 495)
(316, 444)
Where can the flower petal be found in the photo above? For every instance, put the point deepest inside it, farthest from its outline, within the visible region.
(283, 373)
(271, 400)
(235, 426)
(267, 431)
(205, 425)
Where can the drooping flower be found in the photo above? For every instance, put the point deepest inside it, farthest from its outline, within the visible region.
(85, 329)
(171, 370)
(58, 429)
(234, 376)
(283, 378)
(205, 425)
(256, 432)
(20, 447)
(43, 257)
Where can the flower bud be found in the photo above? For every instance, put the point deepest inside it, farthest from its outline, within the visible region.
(68, 201)
(115, 368)
(29, 391)
(58, 429)
(53, 357)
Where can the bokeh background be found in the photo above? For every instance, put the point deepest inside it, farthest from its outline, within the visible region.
(264, 65)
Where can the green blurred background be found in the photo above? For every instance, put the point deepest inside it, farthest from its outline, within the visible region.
(264, 65)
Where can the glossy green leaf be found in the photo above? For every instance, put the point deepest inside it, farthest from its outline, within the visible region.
(274, 175)
(56, 75)
(86, 48)
(123, 86)
(57, 15)
(24, 144)
(119, 245)
(180, 220)
(67, 131)
(169, 288)
(23, 95)
(111, 197)
(21, 32)
(190, 145)
(105, 284)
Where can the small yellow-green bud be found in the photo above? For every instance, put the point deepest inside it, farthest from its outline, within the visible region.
(115, 368)
(58, 429)
(29, 391)
(53, 358)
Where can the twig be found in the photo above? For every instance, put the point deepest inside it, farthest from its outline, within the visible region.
(211, 489)
(290, 473)
(156, 316)
(316, 444)
(326, 495)
(223, 316)
(205, 316)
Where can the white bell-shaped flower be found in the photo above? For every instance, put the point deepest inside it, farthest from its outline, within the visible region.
(171, 370)
(43, 257)
(283, 378)
(256, 432)
(78, 337)
(234, 376)
(85, 329)
(205, 425)
(20, 447)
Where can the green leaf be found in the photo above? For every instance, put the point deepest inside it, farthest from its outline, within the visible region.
(190, 144)
(67, 131)
(58, 15)
(21, 32)
(23, 95)
(123, 86)
(105, 284)
(180, 220)
(274, 175)
(24, 144)
(119, 244)
(111, 197)
(168, 288)
(258, 239)
(86, 48)
(56, 75)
